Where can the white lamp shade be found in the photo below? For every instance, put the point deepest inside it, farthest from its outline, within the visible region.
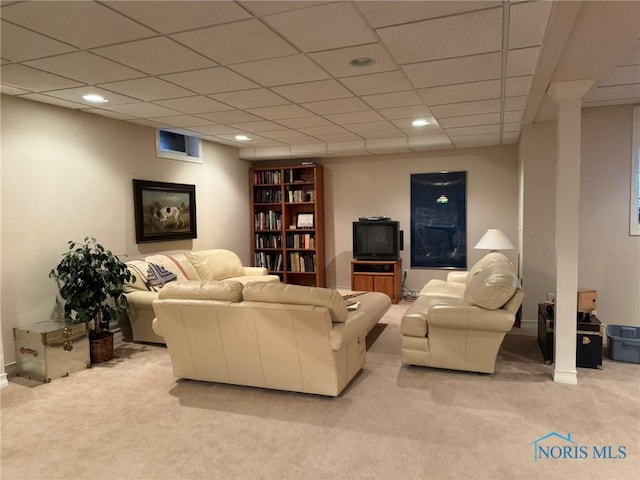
(494, 239)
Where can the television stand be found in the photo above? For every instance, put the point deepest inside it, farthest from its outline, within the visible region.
(383, 276)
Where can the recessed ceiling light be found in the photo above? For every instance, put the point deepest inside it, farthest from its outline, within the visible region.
(242, 138)
(362, 62)
(420, 122)
(95, 98)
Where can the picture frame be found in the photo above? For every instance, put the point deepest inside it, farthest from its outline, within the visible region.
(305, 220)
(164, 211)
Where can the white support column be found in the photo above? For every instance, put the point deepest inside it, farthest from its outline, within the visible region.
(568, 96)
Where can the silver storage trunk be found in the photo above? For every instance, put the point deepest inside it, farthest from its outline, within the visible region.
(51, 349)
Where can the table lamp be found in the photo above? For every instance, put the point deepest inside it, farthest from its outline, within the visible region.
(494, 240)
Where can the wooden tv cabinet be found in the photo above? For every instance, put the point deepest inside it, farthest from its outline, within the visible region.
(378, 276)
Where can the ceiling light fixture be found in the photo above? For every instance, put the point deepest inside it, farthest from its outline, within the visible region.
(95, 98)
(420, 122)
(362, 62)
(242, 138)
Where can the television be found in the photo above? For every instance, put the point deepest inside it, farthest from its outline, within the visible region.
(376, 240)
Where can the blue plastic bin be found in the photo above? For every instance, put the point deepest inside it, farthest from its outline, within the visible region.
(624, 343)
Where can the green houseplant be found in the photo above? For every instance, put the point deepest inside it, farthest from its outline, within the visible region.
(91, 280)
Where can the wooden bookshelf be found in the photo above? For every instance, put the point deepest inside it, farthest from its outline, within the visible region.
(287, 228)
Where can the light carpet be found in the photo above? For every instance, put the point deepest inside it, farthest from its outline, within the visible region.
(131, 419)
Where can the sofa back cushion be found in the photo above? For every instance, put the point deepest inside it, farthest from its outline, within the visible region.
(491, 282)
(298, 295)
(227, 290)
(216, 264)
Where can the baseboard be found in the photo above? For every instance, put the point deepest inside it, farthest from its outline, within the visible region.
(3, 380)
(568, 378)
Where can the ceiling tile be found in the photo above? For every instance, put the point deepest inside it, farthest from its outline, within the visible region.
(429, 142)
(155, 56)
(352, 147)
(378, 83)
(396, 99)
(216, 130)
(147, 89)
(256, 127)
(322, 27)
(339, 137)
(86, 67)
(19, 44)
(512, 127)
(404, 112)
(387, 145)
(305, 122)
(515, 103)
(474, 68)
(476, 140)
(343, 105)
(513, 116)
(196, 104)
(39, 97)
(281, 71)
(466, 108)
(471, 120)
(313, 91)
(371, 126)
(326, 130)
(381, 14)
(281, 112)
(302, 140)
(613, 93)
(255, 140)
(406, 125)
(623, 75)
(260, 97)
(34, 80)
(76, 94)
(141, 110)
(336, 62)
(354, 117)
(462, 92)
(527, 23)
(210, 80)
(237, 42)
(182, 120)
(522, 62)
(260, 7)
(466, 34)
(479, 129)
(74, 22)
(9, 90)
(632, 57)
(283, 134)
(168, 17)
(229, 116)
(387, 133)
(518, 86)
(107, 113)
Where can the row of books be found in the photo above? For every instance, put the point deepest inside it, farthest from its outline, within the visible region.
(297, 196)
(293, 175)
(270, 220)
(301, 240)
(302, 262)
(268, 240)
(267, 196)
(266, 177)
(270, 261)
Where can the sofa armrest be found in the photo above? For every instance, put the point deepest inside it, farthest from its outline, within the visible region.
(141, 298)
(253, 271)
(344, 333)
(469, 317)
(457, 277)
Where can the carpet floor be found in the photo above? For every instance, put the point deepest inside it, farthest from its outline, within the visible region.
(131, 419)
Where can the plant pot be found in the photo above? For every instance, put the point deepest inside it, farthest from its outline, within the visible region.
(101, 348)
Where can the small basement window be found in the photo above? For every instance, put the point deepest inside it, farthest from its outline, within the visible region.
(177, 146)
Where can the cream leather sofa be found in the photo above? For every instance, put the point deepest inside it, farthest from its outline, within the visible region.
(460, 323)
(279, 336)
(214, 264)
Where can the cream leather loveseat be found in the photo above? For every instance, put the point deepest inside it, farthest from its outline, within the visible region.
(460, 323)
(279, 336)
(214, 264)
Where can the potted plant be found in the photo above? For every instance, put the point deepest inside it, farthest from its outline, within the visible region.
(91, 283)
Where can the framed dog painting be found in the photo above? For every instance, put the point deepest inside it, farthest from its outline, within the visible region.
(164, 211)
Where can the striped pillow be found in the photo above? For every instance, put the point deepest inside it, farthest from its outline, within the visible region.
(158, 276)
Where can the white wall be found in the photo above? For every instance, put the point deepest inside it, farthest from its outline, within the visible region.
(609, 258)
(380, 185)
(67, 174)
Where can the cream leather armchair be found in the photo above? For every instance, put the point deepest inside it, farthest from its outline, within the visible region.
(461, 323)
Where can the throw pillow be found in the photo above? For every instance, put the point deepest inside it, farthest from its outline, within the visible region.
(138, 269)
(492, 285)
(216, 264)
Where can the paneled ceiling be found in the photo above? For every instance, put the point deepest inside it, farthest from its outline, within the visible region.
(282, 72)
